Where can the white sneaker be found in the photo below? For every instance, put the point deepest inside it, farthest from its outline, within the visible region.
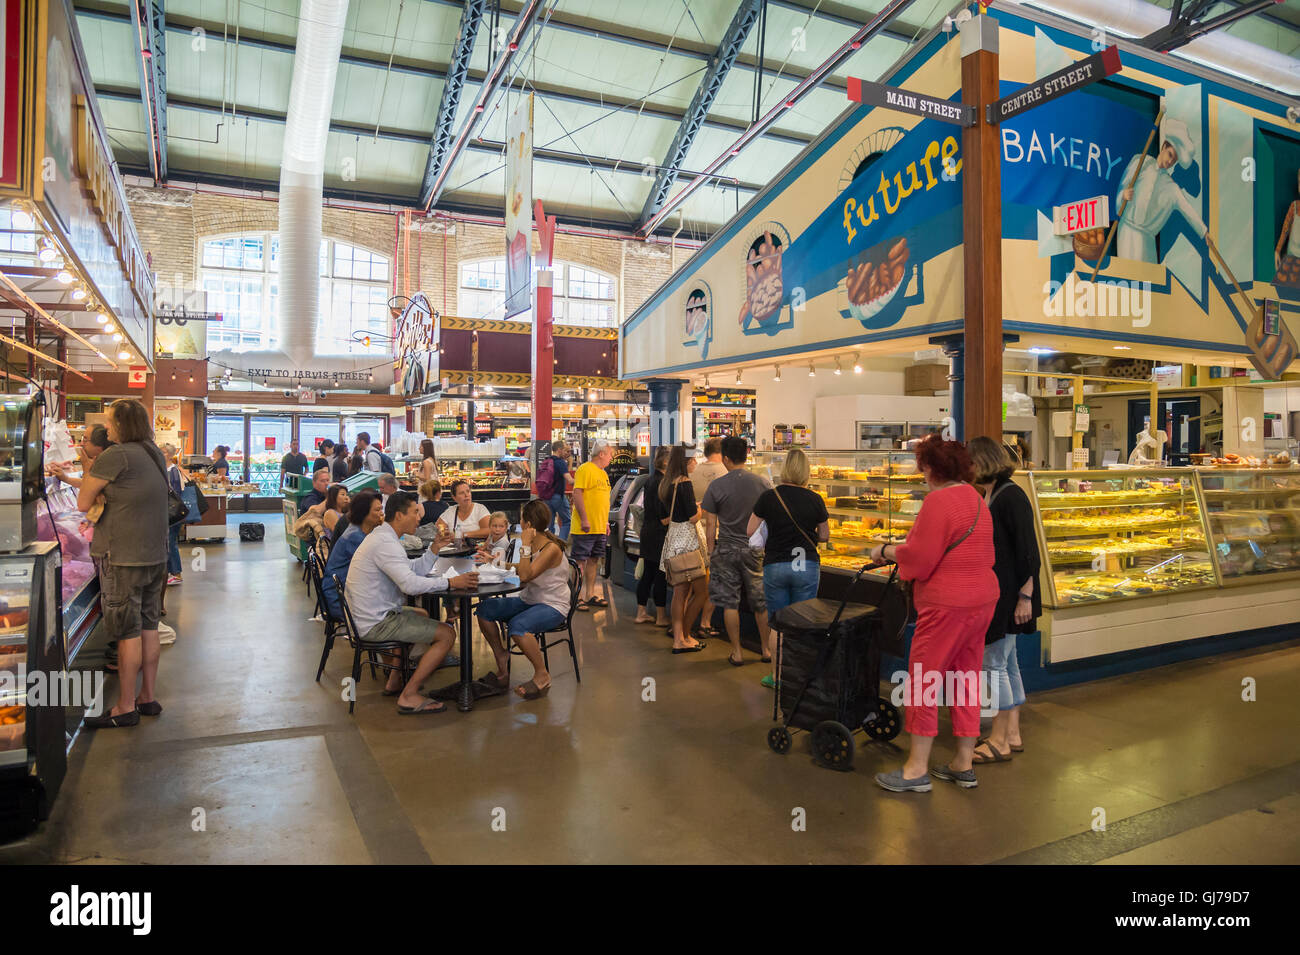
(173, 580)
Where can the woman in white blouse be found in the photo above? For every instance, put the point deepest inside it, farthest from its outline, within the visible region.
(466, 520)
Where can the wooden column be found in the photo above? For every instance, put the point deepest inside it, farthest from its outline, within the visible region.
(981, 175)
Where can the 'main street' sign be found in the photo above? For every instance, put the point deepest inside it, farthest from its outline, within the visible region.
(906, 101)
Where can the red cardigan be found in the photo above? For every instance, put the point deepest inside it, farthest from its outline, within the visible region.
(964, 576)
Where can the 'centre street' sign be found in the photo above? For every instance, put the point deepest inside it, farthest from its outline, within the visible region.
(906, 101)
(1073, 77)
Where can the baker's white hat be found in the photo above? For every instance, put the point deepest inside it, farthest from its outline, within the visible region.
(1176, 133)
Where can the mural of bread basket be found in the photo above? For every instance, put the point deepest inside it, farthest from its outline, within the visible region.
(873, 283)
(1089, 243)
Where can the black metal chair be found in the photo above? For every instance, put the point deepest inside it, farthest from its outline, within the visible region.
(375, 648)
(575, 586)
(332, 623)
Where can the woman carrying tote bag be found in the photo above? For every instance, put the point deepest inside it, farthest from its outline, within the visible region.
(683, 560)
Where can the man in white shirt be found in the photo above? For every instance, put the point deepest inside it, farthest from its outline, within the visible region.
(378, 578)
(387, 487)
(370, 459)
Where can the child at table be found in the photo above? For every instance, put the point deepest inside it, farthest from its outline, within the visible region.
(498, 547)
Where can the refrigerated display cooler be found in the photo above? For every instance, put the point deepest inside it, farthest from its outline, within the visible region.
(33, 735)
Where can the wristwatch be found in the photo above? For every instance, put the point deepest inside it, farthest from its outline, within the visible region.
(525, 552)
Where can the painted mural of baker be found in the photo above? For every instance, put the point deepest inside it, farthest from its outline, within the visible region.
(1287, 263)
(1153, 196)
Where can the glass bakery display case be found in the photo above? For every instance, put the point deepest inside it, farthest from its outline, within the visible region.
(872, 498)
(1109, 535)
(1253, 516)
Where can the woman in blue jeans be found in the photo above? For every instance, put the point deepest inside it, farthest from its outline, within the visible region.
(1016, 563)
(560, 506)
(176, 478)
(541, 606)
(797, 522)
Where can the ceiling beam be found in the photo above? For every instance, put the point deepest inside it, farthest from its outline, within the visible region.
(553, 156)
(148, 23)
(487, 89)
(471, 18)
(573, 217)
(184, 25)
(891, 9)
(733, 39)
(1185, 23)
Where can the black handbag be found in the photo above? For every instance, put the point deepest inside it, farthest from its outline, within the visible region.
(202, 500)
(176, 509)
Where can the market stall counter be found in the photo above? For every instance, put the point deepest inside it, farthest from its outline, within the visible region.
(1135, 559)
(212, 525)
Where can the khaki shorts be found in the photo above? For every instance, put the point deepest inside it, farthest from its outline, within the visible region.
(131, 597)
(404, 625)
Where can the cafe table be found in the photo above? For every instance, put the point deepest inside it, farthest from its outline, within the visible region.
(466, 690)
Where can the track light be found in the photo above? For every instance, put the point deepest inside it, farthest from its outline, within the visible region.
(110, 328)
(48, 252)
(124, 355)
(78, 294)
(812, 372)
(22, 220)
(706, 382)
(117, 336)
(857, 365)
(191, 378)
(838, 370)
(102, 318)
(64, 277)
(739, 381)
(777, 377)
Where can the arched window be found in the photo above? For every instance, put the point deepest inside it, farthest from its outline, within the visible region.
(241, 275)
(581, 296)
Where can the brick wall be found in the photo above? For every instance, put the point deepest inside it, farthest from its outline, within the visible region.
(172, 223)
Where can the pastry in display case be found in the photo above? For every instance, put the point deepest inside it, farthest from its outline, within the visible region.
(1122, 533)
(33, 755)
(872, 497)
(1253, 516)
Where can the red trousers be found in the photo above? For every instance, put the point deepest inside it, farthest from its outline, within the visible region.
(943, 669)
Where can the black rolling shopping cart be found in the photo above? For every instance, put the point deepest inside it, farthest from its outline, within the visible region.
(828, 668)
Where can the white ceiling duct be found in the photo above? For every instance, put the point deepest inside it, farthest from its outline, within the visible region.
(1218, 50)
(302, 181)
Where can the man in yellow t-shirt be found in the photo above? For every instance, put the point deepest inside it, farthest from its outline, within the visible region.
(590, 523)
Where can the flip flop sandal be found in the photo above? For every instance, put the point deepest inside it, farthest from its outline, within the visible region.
(1018, 749)
(583, 606)
(736, 663)
(388, 692)
(708, 631)
(695, 649)
(531, 692)
(423, 709)
(495, 682)
(598, 602)
(995, 758)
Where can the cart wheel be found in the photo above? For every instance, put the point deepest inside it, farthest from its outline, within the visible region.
(778, 738)
(832, 745)
(882, 723)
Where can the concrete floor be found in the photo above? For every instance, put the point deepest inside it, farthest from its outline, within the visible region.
(276, 771)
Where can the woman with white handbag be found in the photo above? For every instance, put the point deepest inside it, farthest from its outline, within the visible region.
(683, 560)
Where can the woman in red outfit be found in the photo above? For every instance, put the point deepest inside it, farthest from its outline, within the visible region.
(948, 555)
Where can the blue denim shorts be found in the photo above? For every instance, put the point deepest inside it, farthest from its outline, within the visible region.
(520, 617)
(783, 585)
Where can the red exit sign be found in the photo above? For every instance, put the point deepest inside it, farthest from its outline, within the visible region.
(1082, 215)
